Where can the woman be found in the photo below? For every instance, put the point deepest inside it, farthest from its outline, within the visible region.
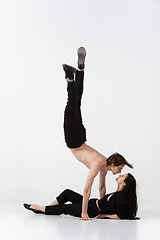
(121, 204)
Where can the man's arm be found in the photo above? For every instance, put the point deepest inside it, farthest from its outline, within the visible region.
(102, 183)
(87, 191)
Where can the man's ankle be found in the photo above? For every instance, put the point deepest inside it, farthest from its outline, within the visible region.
(70, 80)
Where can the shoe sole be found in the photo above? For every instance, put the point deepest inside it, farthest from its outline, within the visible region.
(81, 55)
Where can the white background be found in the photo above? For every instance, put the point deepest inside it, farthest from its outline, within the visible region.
(120, 103)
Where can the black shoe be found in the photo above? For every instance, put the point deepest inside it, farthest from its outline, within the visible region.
(27, 206)
(69, 71)
(81, 57)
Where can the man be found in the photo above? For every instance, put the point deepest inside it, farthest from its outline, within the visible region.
(75, 135)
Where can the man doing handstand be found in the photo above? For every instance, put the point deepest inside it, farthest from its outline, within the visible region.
(75, 135)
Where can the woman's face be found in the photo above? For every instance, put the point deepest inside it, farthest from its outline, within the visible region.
(121, 178)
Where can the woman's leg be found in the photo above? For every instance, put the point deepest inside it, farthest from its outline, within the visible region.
(38, 208)
(71, 209)
(66, 196)
(69, 196)
(54, 203)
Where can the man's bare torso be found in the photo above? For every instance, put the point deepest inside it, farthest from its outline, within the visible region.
(90, 157)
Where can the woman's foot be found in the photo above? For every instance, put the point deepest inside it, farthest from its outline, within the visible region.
(81, 57)
(69, 72)
(34, 208)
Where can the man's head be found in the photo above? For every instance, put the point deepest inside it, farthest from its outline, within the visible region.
(117, 162)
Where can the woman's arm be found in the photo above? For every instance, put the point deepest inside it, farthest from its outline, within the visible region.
(111, 216)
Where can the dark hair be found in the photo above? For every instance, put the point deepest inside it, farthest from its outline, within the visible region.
(118, 159)
(129, 191)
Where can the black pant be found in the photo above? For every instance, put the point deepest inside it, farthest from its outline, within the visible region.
(74, 131)
(73, 209)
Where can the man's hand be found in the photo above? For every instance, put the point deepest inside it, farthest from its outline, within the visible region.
(85, 217)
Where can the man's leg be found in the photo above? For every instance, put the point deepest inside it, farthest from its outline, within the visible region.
(75, 134)
(73, 129)
(80, 74)
(79, 80)
(71, 125)
(79, 87)
(73, 107)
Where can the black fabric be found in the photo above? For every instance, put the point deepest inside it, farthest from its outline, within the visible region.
(73, 209)
(74, 130)
(69, 195)
(117, 204)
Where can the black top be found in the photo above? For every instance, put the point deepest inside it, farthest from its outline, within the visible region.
(116, 204)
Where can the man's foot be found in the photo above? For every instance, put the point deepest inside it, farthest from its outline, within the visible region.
(69, 72)
(81, 57)
(28, 206)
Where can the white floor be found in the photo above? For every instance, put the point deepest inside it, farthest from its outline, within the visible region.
(18, 223)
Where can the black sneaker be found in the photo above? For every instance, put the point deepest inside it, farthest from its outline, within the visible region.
(81, 57)
(69, 71)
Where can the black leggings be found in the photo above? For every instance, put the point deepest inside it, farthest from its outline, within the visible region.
(73, 209)
(74, 131)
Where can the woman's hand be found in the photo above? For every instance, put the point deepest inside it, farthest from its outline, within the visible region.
(85, 217)
(99, 216)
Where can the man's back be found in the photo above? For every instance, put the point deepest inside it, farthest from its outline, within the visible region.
(89, 156)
